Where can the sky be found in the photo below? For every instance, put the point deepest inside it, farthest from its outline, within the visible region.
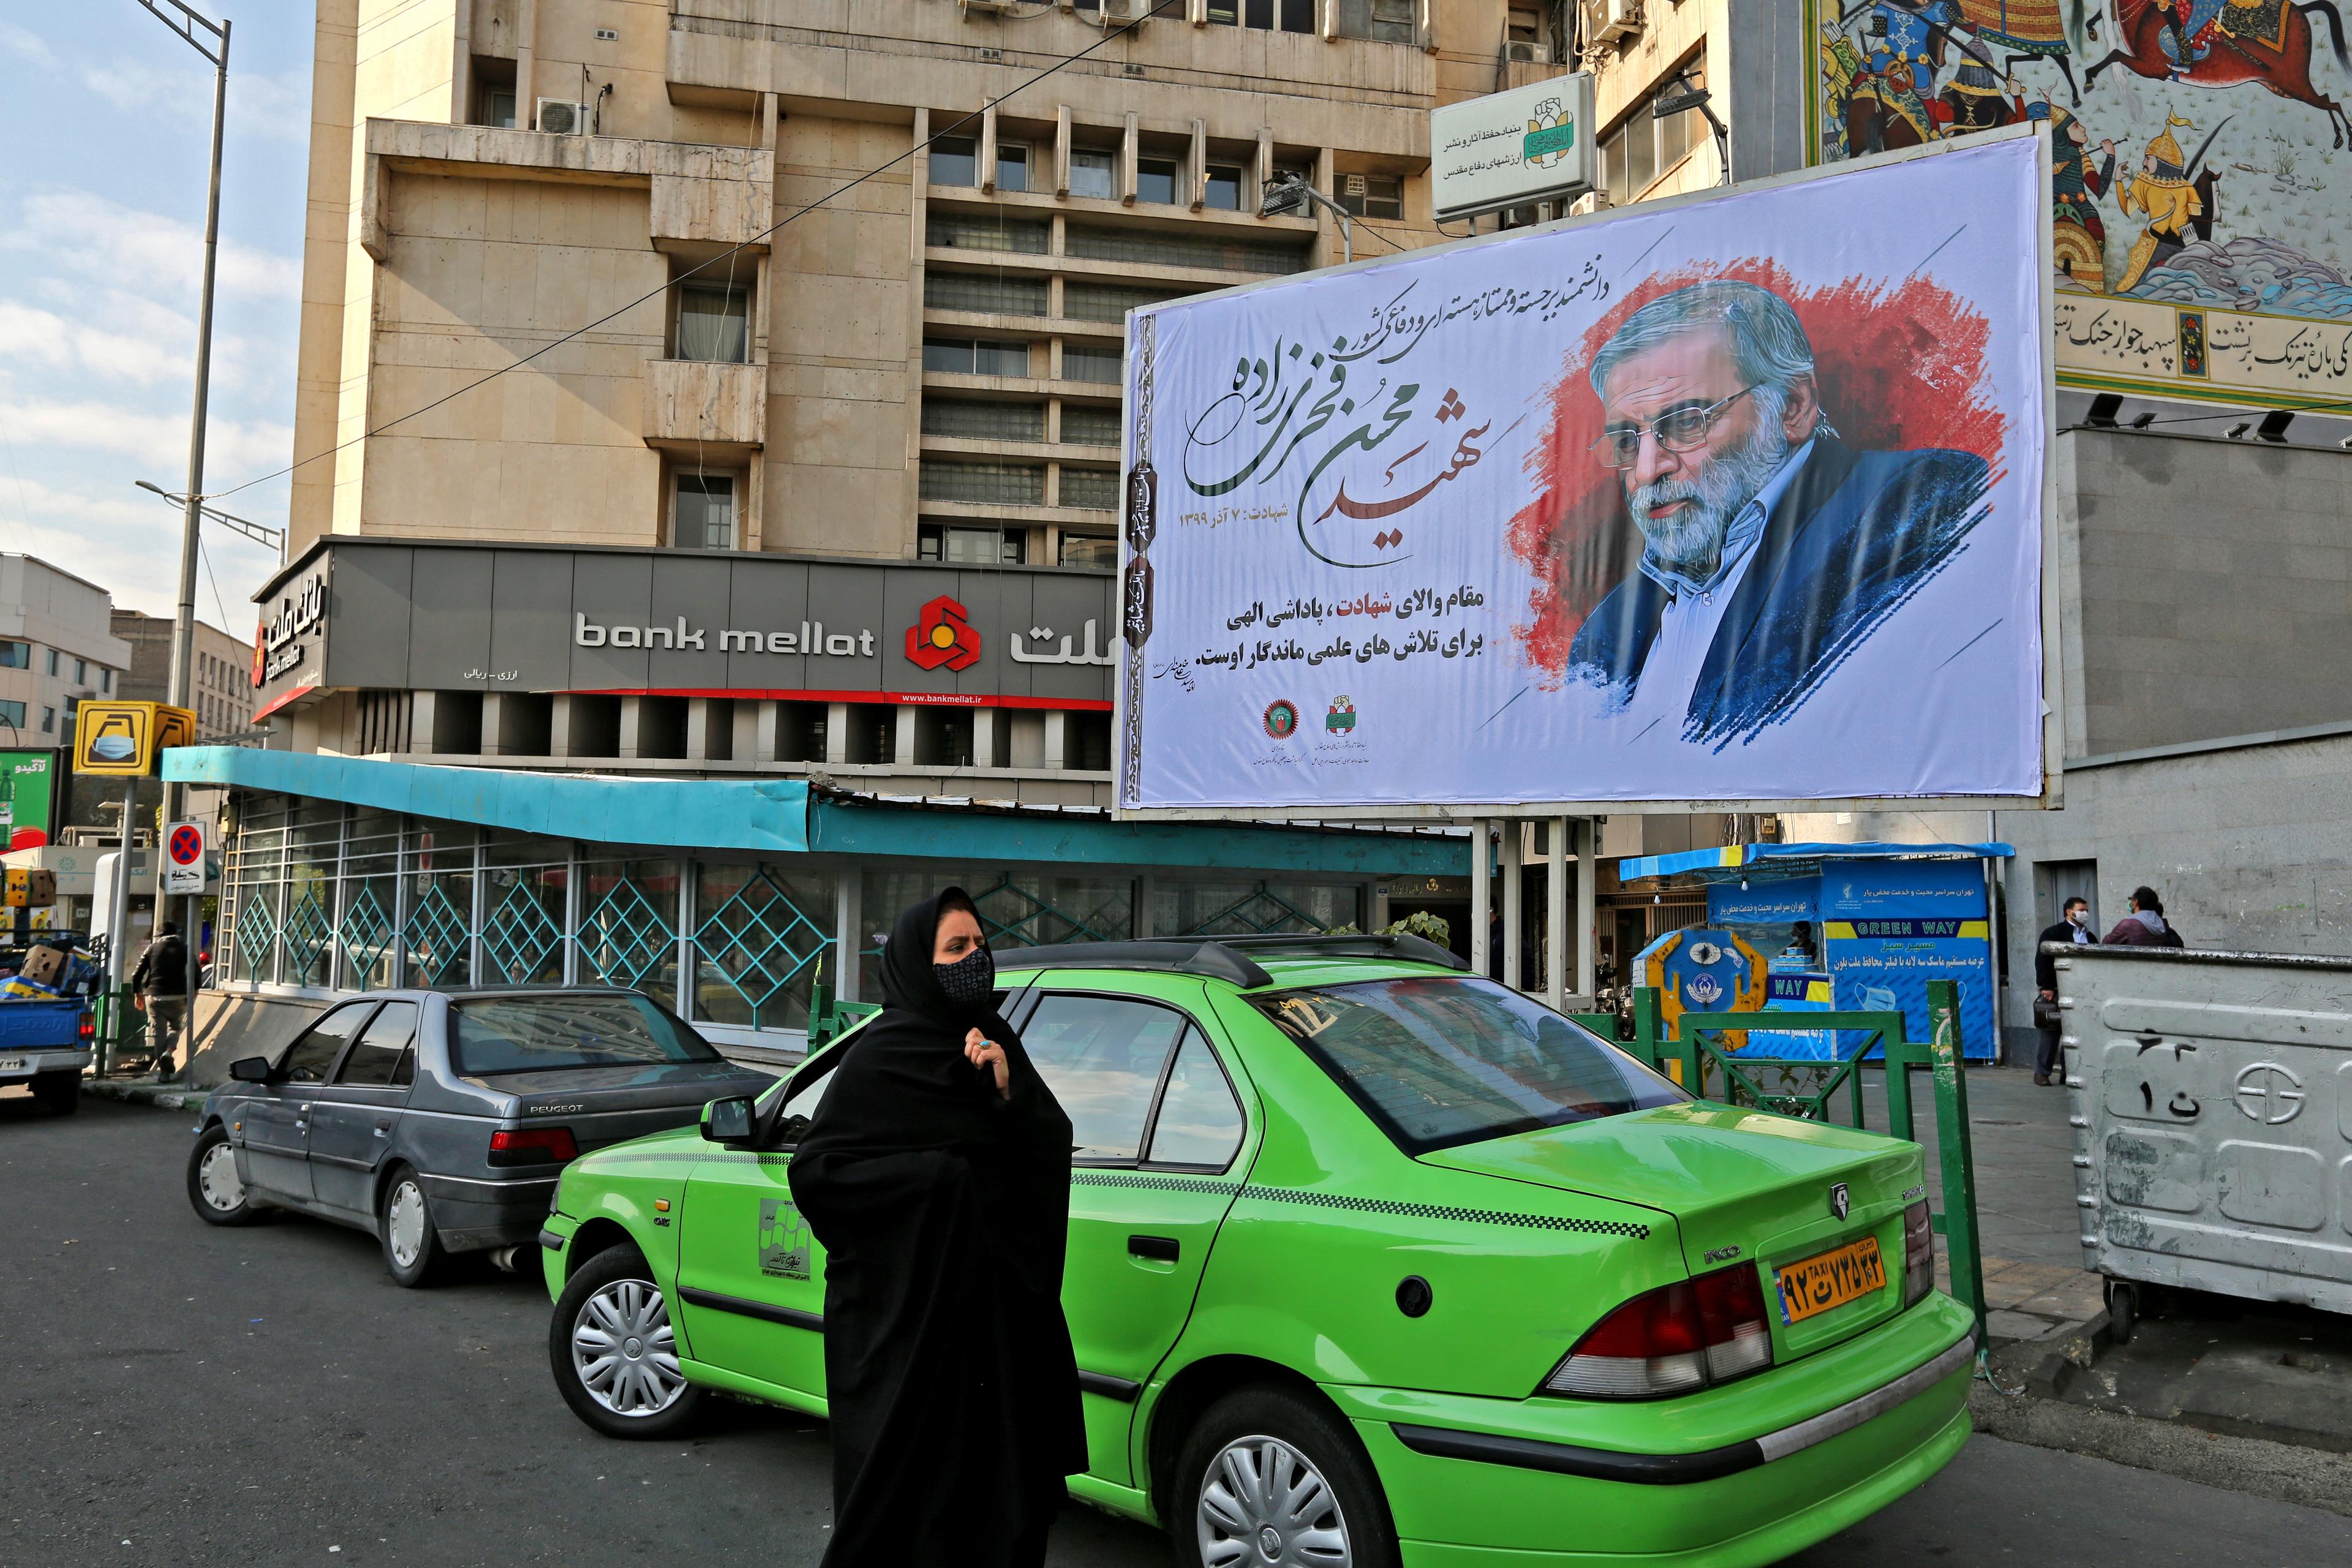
(109, 114)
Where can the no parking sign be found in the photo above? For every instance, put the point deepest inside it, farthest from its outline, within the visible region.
(184, 858)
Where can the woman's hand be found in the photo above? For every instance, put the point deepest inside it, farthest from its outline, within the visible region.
(983, 1052)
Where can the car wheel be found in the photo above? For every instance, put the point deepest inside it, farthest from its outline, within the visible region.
(58, 1092)
(412, 1245)
(1271, 1476)
(214, 1190)
(613, 1352)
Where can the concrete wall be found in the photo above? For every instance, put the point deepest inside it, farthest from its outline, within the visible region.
(2249, 846)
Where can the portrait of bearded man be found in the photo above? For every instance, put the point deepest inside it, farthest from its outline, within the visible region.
(1769, 549)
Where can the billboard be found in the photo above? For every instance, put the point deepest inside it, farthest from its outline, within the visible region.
(1738, 498)
(2200, 191)
(30, 798)
(1531, 143)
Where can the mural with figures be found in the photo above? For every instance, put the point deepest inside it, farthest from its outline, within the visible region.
(2201, 170)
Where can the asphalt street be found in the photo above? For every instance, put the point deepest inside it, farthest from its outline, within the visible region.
(177, 1394)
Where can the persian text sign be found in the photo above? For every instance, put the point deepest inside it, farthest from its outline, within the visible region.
(1725, 501)
(1531, 143)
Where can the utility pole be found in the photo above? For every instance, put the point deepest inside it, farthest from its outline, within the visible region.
(188, 24)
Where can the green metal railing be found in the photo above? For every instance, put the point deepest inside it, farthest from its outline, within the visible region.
(119, 1029)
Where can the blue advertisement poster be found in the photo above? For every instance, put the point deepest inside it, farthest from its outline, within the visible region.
(1886, 965)
(1858, 890)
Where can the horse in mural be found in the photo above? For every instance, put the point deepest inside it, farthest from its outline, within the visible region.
(2273, 42)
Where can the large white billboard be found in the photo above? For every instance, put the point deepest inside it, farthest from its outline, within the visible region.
(1737, 499)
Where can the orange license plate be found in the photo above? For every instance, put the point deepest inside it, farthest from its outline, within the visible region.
(1829, 1279)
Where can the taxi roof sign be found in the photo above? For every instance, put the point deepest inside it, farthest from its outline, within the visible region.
(126, 740)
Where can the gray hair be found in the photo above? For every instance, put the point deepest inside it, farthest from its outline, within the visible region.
(1768, 341)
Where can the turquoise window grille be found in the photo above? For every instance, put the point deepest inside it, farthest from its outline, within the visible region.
(257, 931)
(308, 934)
(522, 940)
(1254, 909)
(366, 935)
(438, 937)
(759, 945)
(629, 932)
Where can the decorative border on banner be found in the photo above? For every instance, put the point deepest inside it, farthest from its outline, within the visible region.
(1135, 571)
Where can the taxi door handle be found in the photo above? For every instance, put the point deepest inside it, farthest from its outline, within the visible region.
(1160, 1248)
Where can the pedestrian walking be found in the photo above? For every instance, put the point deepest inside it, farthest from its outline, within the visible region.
(937, 1173)
(2144, 927)
(2075, 927)
(162, 981)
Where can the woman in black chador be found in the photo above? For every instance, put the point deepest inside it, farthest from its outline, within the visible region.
(937, 1173)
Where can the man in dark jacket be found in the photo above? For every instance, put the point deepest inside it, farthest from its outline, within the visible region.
(2144, 927)
(2074, 928)
(162, 975)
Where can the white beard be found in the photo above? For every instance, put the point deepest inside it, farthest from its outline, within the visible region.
(1691, 541)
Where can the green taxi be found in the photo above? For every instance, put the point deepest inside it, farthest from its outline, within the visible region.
(1371, 1262)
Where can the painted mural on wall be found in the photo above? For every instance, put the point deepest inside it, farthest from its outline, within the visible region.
(2201, 216)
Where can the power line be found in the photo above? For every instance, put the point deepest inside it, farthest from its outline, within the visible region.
(728, 255)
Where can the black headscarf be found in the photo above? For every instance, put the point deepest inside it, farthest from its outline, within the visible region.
(943, 1208)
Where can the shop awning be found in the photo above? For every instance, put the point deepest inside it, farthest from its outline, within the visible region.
(1797, 858)
(789, 817)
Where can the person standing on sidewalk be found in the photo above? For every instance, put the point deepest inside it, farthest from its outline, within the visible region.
(2074, 928)
(2144, 927)
(162, 977)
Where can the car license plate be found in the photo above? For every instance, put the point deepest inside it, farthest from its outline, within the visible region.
(12, 1063)
(1829, 1279)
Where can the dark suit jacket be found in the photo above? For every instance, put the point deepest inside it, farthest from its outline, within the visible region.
(1854, 535)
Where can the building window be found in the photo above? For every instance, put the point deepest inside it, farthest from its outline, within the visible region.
(986, 484)
(12, 714)
(1268, 15)
(705, 519)
(1644, 147)
(1090, 550)
(969, 546)
(979, 356)
(53, 661)
(81, 672)
(1088, 427)
(1094, 174)
(49, 719)
(976, 421)
(494, 93)
(1012, 166)
(1372, 195)
(1093, 488)
(1096, 244)
(1102, 365)
(1379, 21)
(105, 680)
(16, 655)
(1155, 180)
(1082, 301)
(1225, 188)
(961, 231)
(955, 161)
(1013, 295)
(714, 324)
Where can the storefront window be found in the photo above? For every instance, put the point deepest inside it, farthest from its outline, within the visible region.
(1254, 907)
(1019, 908)
(256, 872)
(308, 932)
(438, 874)
(628, 926)
(370, 914)
(760, 935)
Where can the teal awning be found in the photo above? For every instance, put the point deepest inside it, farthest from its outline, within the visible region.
(1742, 857)
(785, 816)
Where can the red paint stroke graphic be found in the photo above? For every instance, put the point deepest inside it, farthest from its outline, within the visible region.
(1897, 369)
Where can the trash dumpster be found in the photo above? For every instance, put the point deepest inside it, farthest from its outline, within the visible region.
(2212, 1102)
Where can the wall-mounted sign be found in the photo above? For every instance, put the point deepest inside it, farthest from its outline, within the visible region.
(301, 608)
(1533, 143)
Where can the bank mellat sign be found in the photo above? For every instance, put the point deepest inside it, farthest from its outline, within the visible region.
(408, 614)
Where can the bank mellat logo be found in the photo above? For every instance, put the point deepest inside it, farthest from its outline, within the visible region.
(943, 637)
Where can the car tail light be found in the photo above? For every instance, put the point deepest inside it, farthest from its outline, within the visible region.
(1919, 1255)
(1672, 1341)
(89, 1025)
(533, 1146)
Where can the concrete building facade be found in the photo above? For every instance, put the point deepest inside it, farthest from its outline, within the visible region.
(221, 693)
(57, 648)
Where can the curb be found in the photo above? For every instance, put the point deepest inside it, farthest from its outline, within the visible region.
(162, 1096)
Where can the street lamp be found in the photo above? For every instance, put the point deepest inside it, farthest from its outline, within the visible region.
(1683, 98)
(1291, 194)
(210, 39)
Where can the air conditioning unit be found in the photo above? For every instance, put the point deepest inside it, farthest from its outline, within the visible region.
(992, 7)
(1607, 21)
(1590, 202)
(561, 117)
(1120, 13)
(1520, 52)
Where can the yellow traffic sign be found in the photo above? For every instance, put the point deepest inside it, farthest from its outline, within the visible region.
(126, 740)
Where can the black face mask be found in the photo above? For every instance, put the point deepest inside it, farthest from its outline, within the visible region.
(970, 979)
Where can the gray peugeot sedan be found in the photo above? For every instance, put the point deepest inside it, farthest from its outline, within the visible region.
(439, 1120)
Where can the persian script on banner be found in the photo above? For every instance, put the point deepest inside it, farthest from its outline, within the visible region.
(1729, 501)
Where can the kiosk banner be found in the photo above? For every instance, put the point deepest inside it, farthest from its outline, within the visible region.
(1730, 500)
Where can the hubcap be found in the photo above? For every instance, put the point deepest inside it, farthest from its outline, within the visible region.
(624, 1352)
(407, 1213)
(1264, 1505)
(216, 1178)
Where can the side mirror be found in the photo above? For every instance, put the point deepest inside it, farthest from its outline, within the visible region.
(727, 1120)
(250, 1069)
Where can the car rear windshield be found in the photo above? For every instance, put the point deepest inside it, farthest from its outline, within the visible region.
(1438, 1062)
(532, 1034)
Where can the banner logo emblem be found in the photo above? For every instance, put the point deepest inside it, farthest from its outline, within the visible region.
(1281, 719)
(941, 636)
(1342, 717)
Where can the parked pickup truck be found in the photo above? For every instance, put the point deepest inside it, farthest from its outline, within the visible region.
(42, 1045)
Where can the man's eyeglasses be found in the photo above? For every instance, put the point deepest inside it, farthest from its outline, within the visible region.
(1678, 429)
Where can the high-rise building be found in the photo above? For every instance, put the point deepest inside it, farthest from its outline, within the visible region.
(220, 691)
(55, 650)
(790, 289)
